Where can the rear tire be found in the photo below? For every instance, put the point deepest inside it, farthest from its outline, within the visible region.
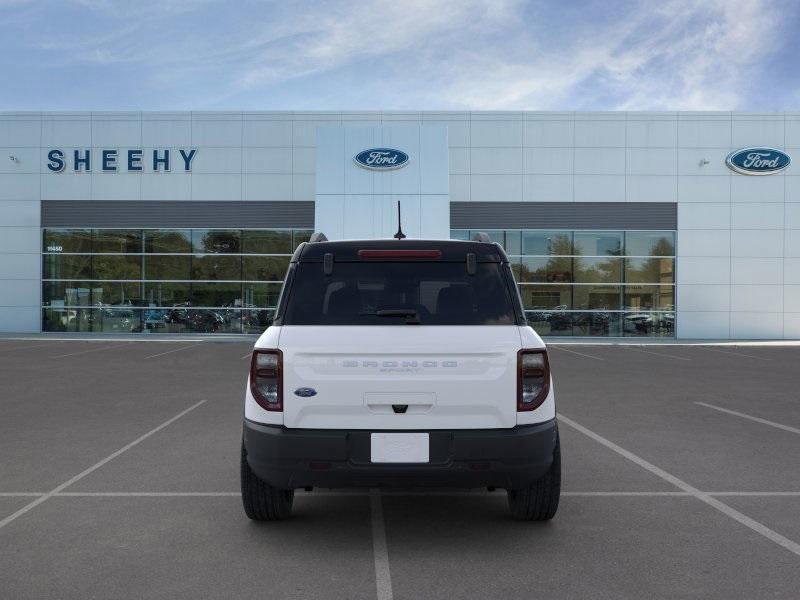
(539, 501)
(261, 501)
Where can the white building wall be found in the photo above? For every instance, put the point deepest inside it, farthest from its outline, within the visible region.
(20, 233)
(738, 266)
(357, 203)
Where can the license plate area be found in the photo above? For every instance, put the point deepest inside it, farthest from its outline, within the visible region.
(400, 447)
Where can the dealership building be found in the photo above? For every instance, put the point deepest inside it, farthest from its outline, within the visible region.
(620, 224)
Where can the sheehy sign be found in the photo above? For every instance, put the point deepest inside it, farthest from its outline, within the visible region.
(111, 161)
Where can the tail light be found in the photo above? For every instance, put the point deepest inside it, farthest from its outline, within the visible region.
(533, 380)
(266, 379)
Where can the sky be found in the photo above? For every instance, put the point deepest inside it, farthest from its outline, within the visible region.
(400, 55)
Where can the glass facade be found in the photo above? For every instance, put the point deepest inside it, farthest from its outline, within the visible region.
(164, 280)
(593, 283)
(572, 283)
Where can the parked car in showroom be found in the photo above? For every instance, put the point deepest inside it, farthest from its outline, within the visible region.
(400, 363)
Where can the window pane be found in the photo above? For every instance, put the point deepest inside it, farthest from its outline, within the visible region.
(495, 235)
(216, 294)
(596, 324)
(649, 297)
(57, 294)
(598, 270)
(267, 242)
(256, 321)
(117, 240)
(648, 324)
(154, 319)
(57, 266)
(555, 322)
(459, 234)
(597, 297)
(167, 240)
(217, 267)
(649, 270)
(538, 297)
(117, 267)
(516, 268)
(116, 293)
(300, 236)
(545, 270)
(227, 241)
(117, 320)
(262, 294)
(650, 243)
(67, 319)
(513, 242)
(191, 320)
(265, 268)
(167, 294)
(600, 243)
(167, 267)
(545, 243)
(67, 240)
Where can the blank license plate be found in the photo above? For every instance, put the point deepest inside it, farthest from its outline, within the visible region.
(400, 447)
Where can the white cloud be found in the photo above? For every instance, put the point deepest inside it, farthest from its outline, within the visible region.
(684, 56)
(475, 54)
(322, 39)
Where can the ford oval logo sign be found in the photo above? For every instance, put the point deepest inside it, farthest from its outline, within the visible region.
(758, 161)
(305, 392)
(381, 159)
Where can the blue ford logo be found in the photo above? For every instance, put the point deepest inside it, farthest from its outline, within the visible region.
(381, 159)
(758, 161)
(305, 392)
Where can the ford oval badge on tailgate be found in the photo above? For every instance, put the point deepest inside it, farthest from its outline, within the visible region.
(305, 392)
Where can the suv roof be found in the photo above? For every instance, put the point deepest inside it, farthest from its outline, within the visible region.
(452, 250)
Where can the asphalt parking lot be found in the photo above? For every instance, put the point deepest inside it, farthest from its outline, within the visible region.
(119, 479)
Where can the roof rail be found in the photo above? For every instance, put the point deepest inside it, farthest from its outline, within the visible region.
(481, 236)
(317, 236)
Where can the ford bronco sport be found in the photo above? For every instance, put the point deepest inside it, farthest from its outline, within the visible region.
(400, 363)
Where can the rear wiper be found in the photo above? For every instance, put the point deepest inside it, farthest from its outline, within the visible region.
(411, 314)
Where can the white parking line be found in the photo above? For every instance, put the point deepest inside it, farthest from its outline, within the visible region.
(248, 355)
(464, 494)
(380, 552)
(145, 494)
(578, 353)
(91, 350)
(656, 353)
(171, 351)
(755, 494)
(751, 418)
(742, 354)
(734, 514)
(94, 467)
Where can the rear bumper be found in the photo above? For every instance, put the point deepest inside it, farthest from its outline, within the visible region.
(505, 458)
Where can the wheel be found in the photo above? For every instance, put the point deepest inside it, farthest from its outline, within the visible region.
(539, 501)
(261, 501)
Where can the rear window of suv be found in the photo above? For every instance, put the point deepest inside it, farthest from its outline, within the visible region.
(399, 293)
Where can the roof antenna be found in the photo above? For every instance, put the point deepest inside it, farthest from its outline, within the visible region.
(399, 235)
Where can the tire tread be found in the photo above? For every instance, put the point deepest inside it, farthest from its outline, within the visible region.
(261, 501)
(539, 501)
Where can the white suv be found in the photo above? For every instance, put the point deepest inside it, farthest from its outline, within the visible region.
(400, 363)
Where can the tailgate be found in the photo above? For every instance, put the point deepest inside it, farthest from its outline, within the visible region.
(400, 377)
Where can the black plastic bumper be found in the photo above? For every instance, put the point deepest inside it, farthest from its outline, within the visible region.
(504, 458)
